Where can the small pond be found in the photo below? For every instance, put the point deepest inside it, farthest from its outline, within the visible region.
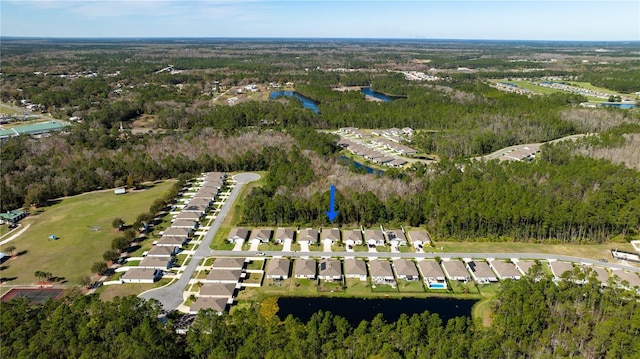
(355, 310)
(306, 102)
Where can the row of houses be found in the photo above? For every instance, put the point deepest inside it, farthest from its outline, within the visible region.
(434, 274)
(221, 285)
(162, 256)
(349, 237)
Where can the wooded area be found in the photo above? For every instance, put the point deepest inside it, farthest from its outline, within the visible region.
(531, 319)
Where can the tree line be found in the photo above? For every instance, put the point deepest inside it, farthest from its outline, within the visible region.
(530, 319)
(557, 197)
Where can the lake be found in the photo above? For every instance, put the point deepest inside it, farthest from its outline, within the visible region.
(355, 310)
(621, 105)
(349, 162)
(306, 102)
(378, 95)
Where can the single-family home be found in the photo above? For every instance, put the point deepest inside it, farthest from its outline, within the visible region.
(432, 274)
(207, 193)
(224, 276)
(172, 241)
(600, 273)
(197, 208)
(405, 269)
(305, 268)
(419, 238)
(237, 234)
(374, 237)
(184, 223)
(524, 266)
(632, 279)
(12, 216)
(278, 268)
(559, 268)
(218, 305)
(308, 235)
(141, 275)
(352, 237)
(156, 263)
(194, 216)
(229, 263)
(219, 290)
(504, 269)
(355, 268)
(178, 232)
(163, 251)
(396, 237)
(381, 272)
(261, 235)
(455, 270)
(481, 272)
(330, 234)
(283, 234)
(397, 163)
(330, 269)
(200, 201)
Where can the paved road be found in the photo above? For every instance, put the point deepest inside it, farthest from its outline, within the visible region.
(372, 255)
(171, 296)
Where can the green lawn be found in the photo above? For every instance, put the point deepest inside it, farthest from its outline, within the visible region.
(593, 251)
(83, 225)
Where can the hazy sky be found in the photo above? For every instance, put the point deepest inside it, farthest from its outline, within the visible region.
(507, 20)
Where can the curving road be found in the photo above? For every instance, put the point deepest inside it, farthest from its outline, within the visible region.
(171, 296)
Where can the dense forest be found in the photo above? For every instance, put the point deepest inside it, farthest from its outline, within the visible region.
(557, 197)
(531, 319)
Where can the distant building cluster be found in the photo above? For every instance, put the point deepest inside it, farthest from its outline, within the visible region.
(574, 89)
(418, 76)
(511, 87)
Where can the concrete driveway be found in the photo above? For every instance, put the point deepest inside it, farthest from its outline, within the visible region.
(254, 245)
(287, 245)
(326, 245)
(238, 246)
(304, 247)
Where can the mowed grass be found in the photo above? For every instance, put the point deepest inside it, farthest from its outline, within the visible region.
(592, 251)
(83, 226)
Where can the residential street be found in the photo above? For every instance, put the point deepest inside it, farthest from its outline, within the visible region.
(171, 296)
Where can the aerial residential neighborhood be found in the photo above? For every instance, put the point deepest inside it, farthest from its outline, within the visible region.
(244, 179)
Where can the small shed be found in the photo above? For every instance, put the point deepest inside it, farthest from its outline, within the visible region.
(120, 190)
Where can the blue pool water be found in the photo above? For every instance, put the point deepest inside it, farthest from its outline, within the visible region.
(306, 102)
(437, 286)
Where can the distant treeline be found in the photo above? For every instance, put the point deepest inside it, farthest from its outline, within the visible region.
(557, 197)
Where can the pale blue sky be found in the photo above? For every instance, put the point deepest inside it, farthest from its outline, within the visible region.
(478, 19)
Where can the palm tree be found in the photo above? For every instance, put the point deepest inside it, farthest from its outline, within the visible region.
(39, 274)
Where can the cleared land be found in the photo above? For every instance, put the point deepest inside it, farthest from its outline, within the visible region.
(593, 251)
(82, 225)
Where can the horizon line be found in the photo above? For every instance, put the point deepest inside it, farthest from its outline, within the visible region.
(295, 38)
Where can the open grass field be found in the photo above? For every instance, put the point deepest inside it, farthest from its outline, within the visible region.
(82, 225)
(592, 251)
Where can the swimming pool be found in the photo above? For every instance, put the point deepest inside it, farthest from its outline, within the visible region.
(437, 286)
